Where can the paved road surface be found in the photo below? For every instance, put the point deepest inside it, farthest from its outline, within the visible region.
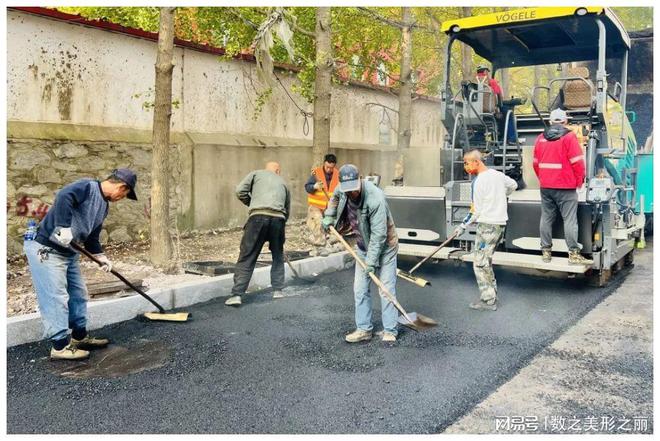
(281, 366)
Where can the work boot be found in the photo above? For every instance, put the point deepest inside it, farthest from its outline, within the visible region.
(575, 258)
(388, 337)
(233, 301)
(547, 254)
(278, 294)
(358, 335)
(491, 305)
(89, 342)
(69, 352)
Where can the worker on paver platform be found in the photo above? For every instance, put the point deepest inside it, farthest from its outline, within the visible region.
(483, 76)
(559, 165)
(490, 189)
(320, 187)
(361, 206)
(76, 215)
(267, 196)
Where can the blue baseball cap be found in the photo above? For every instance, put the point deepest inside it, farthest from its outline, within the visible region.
(129, 178)
(349, 178)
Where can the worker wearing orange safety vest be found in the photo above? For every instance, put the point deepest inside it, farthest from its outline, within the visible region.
(319, 187)
(559, 165)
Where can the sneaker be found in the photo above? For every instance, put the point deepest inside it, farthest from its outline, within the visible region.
(358, 335)
(547, 254)
(575, 258)
(484, 306)
(278, 294)
(69, 352)
(89, 342)
(388, 337)
(233, 301)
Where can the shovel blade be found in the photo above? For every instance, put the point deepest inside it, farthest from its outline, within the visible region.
(169, 317)
(418, 322)
(412, 279)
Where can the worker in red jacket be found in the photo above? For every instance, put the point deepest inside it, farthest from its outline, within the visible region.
(559, 165)
(483, 76)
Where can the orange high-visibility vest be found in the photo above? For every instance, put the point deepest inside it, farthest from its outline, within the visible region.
(318, 198)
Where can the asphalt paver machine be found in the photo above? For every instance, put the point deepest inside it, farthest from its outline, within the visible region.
(473, 118)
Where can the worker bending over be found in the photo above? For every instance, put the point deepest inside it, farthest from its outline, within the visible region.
(269, 202)
(361, 206)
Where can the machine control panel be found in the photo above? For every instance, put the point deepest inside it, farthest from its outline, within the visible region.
(599, 190)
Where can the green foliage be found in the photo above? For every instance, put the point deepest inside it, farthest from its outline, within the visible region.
(362, 43)
(636, 18)
(145, 18)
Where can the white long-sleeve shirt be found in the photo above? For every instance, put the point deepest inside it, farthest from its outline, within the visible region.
(489, 193)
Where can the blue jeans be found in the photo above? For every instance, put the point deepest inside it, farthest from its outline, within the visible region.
(61, 290)
(363, 309)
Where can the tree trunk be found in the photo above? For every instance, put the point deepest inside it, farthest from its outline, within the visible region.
(466, 51)
(322, 86)
(505, 75)
(405, 89)
(161, 245)
(537, 82)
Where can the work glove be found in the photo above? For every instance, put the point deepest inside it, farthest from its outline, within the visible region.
(107, 265)
(369, 269)
(327, 222)
(318, 185)
(62, 236)
(459, 230)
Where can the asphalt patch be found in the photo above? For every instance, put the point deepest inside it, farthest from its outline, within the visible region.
(282, 366)
(115, 361)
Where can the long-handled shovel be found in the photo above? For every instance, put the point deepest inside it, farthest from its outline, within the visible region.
(407, 275)
(161, 315)
(412, 320)
(305, 280)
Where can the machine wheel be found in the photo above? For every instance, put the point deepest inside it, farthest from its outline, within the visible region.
(599, 278)
(629, 258)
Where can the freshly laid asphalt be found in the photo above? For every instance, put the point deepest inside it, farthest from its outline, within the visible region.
(282, 366)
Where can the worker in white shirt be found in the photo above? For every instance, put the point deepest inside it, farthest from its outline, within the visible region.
(490, 189)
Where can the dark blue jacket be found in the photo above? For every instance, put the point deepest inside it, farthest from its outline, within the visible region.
(80, 206)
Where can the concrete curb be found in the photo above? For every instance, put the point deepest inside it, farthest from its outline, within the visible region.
(27, 328)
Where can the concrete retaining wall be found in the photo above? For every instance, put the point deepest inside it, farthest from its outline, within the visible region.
(78, 105)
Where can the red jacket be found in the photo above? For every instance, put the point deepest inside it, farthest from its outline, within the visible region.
(558, 159)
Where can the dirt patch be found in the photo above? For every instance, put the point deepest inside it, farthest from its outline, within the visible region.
(132, 261)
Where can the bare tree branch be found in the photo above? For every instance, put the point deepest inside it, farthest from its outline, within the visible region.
(382, 105)
(377, 16)
(240, 16)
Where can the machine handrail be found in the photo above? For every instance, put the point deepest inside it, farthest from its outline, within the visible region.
(536, 109)
(458, 119)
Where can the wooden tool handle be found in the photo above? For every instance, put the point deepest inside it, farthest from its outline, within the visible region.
(442, 245)
(383, 290)
(77, 247)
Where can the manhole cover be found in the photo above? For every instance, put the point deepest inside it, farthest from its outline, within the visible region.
(115, 361)
(211, 267)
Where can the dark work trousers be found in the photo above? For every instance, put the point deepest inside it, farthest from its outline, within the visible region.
(564, 202)
(258, 230)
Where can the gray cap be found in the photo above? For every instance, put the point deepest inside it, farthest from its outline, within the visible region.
(558, 115)
(349, 178)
